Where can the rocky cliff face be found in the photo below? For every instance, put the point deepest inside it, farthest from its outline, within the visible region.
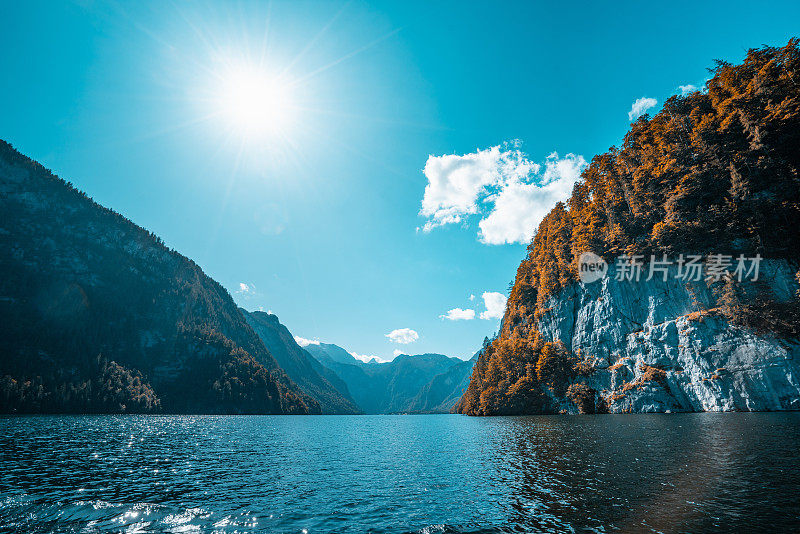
(715, 173)
(660, 346)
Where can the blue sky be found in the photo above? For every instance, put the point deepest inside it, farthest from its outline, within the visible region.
(325, 219)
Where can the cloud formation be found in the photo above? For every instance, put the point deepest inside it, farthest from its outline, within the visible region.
(640, 107)
(520, 206)
(510, 192)
(458, 314)
(303, 342)
(246, 291)
(366, 358)
(686, 89)
(495, 305)
(404, 336)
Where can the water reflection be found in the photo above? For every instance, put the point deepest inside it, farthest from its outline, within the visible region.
(698, 472)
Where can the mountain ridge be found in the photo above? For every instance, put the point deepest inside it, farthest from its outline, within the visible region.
(315, 379)
(422, 383)
(86, 292)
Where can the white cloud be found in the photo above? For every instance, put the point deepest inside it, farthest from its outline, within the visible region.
(397, 352)
(303, 342)
(686, 89)
(457, 314)
(456, 182)
(471, 297)
(495, 305)
(404, 336)
(366, 358)
(640, 106)
(511, 193)
(520, 206)
(247, 291)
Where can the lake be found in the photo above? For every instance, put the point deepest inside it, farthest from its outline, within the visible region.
(436, 473)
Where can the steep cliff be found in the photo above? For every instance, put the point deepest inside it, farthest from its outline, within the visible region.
(98, 315)
(714, 174)
(666, 346)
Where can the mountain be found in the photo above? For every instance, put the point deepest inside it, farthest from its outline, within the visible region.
(715, 174)
(367, 392)
(405, 376)
(420, 383)
(313, 378)
(443, 391)
(99, 316)
(326, 352)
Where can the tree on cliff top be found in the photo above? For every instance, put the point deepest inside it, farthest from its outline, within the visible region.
(715, 171)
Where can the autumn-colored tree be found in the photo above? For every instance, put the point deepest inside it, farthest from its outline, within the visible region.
(715, 171)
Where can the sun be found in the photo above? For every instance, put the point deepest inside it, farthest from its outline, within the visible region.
(254, 102)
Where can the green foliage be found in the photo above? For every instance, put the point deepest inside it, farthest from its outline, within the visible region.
(78, 280)
(104, 387)
(221, 377)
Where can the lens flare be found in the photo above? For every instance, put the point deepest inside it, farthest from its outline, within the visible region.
(254, 102)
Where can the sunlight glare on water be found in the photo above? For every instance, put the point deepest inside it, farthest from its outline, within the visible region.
(398, 474)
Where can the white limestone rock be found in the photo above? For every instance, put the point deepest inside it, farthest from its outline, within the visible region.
(631, 331)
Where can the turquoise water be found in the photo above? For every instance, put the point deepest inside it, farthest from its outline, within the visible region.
(438, 473)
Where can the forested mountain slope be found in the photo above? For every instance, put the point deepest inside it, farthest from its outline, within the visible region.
(99, 316)
(314, 378)
(444, 390)
(714, 172)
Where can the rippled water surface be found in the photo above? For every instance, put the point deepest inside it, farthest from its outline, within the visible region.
(438, 473)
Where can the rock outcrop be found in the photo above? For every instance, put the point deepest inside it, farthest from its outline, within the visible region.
(656, 346)
(715, 175)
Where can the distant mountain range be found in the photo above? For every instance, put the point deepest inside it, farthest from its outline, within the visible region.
(444, 390)
(313, 378)
(424, 383)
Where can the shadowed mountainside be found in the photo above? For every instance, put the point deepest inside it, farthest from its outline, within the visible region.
(424, 383)
(99, 316)
(314, 378)
(444, 390)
